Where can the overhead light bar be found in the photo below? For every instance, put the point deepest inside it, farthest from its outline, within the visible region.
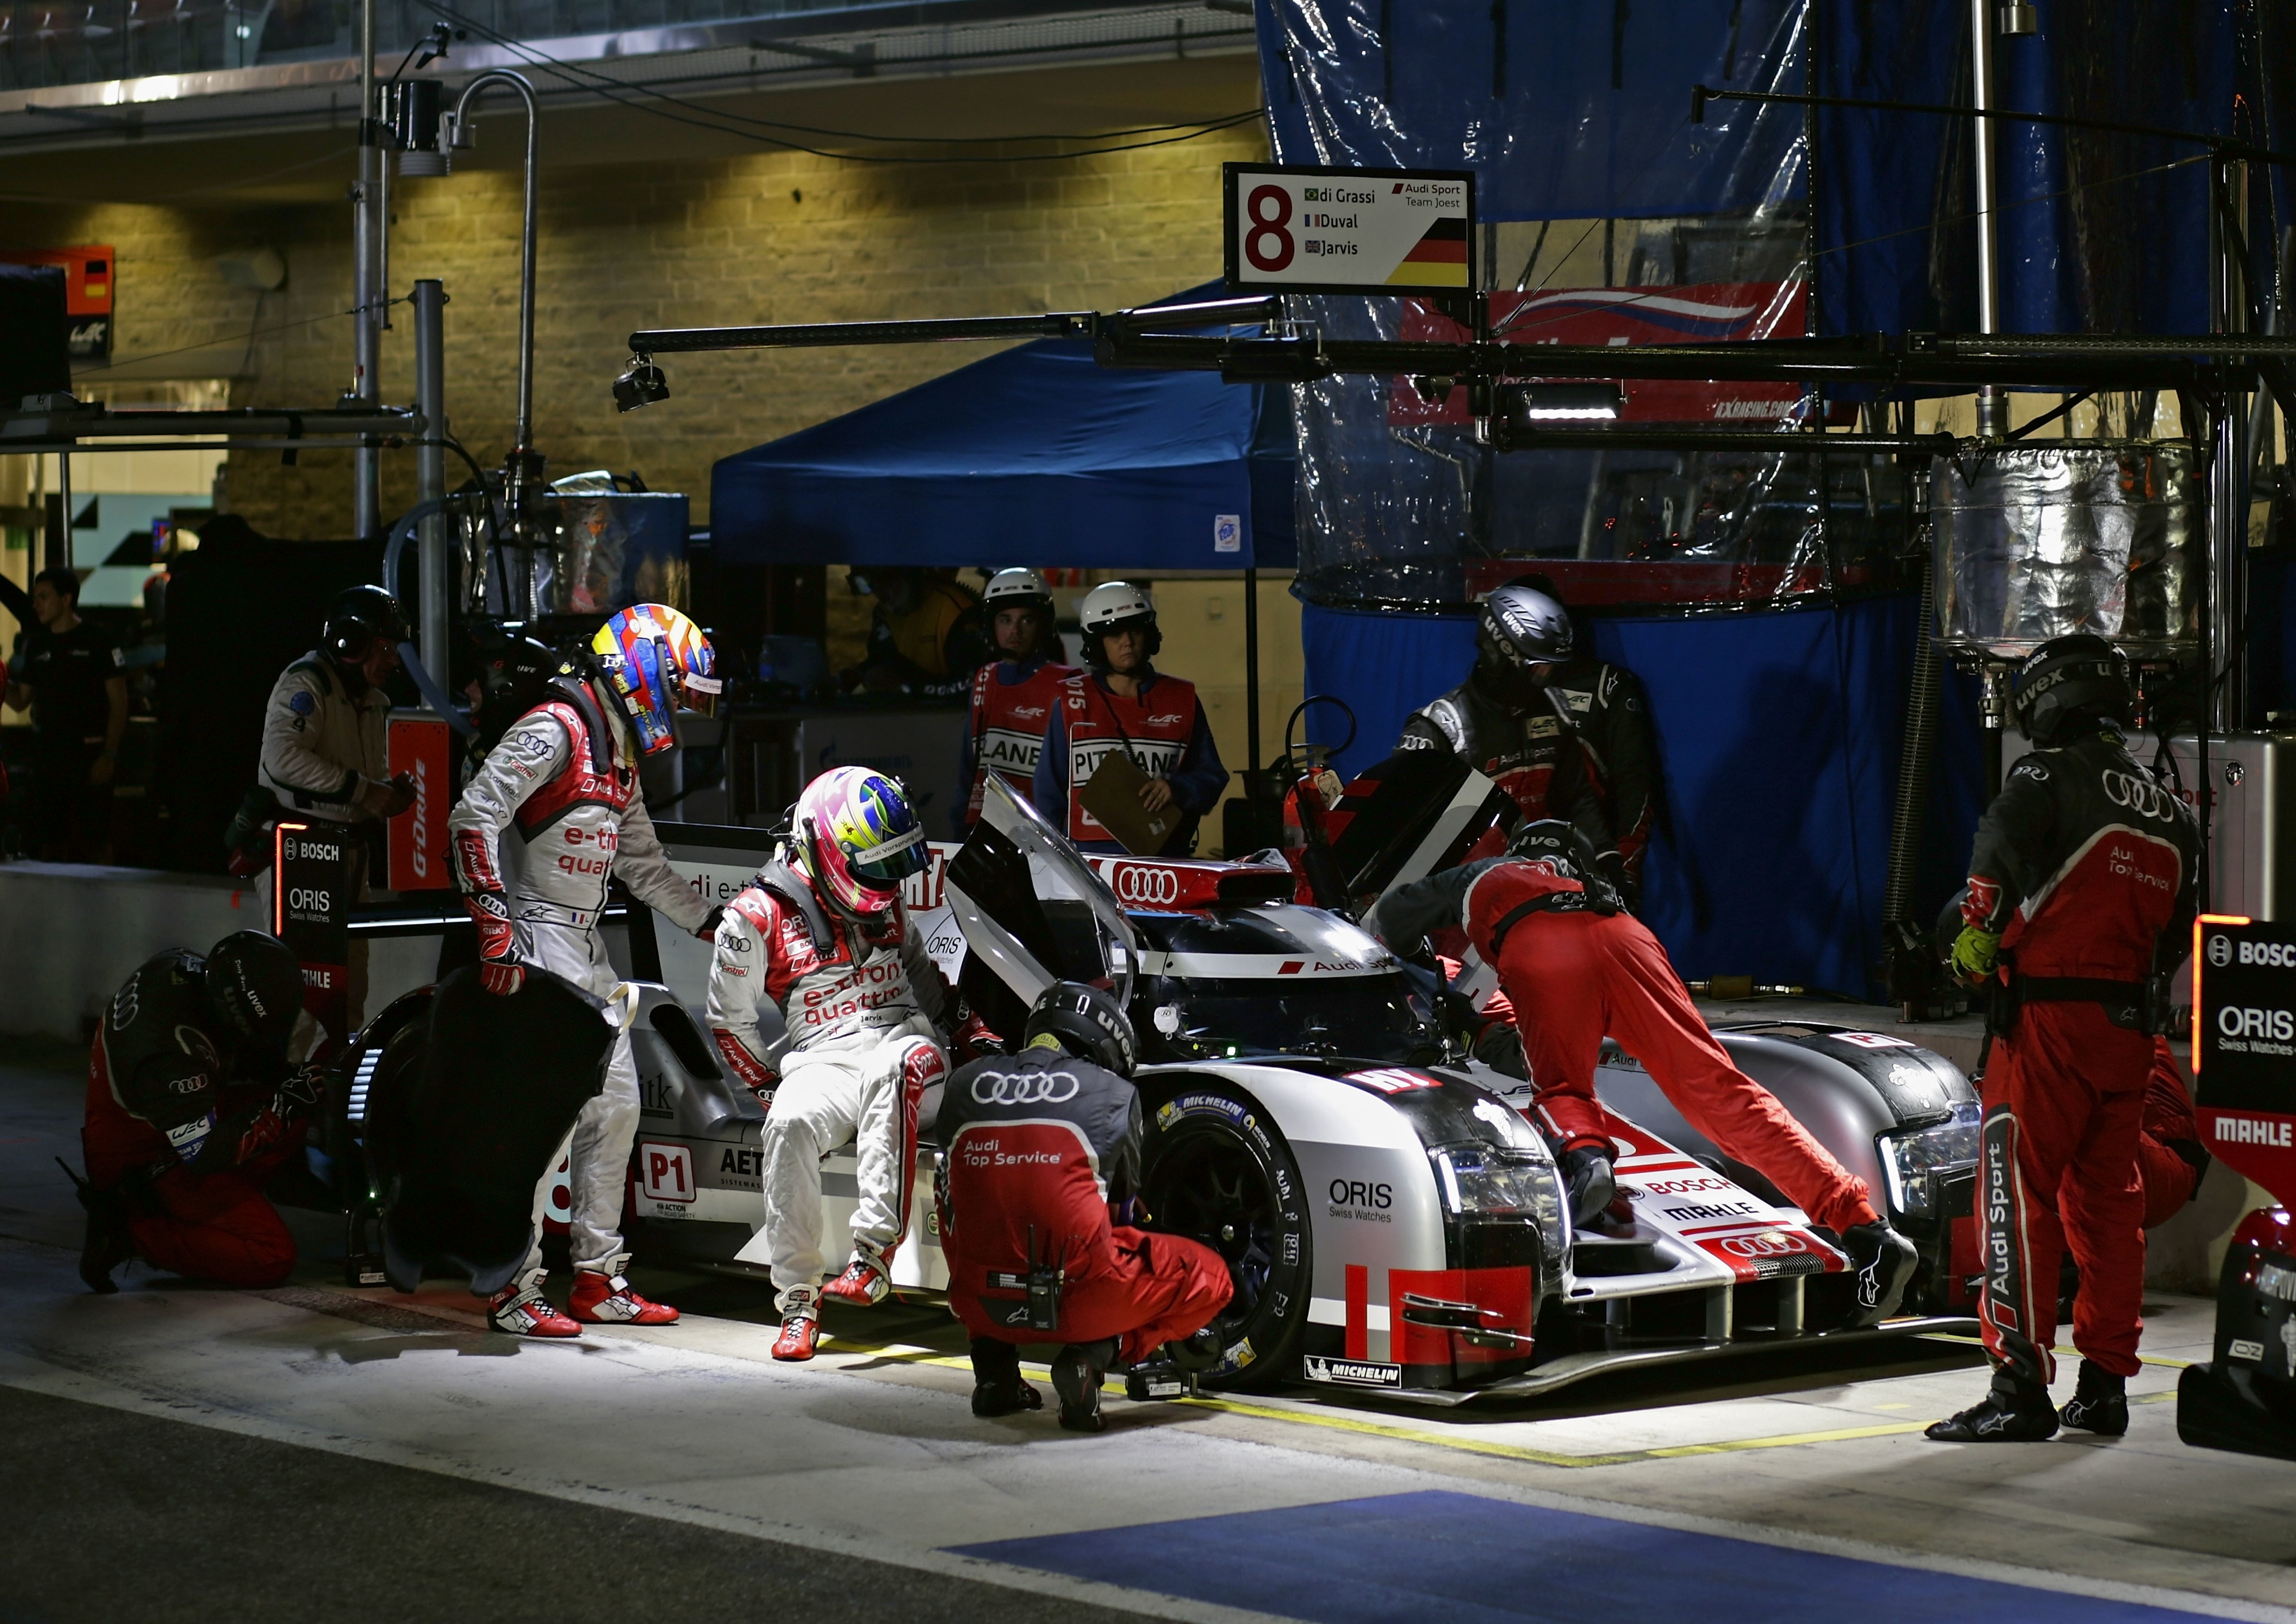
(1590, 402)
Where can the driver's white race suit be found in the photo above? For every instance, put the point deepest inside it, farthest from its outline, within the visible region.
(861, 1010)
(563, 786)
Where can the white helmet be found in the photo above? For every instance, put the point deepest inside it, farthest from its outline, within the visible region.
(1016, 586)
(1111, 603)
(1115, 606)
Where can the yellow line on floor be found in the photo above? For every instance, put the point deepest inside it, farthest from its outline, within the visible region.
(2065, 1353)
(1544, 1457)
(1465, 1442)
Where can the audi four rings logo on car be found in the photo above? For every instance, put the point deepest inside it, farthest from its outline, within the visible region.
(1771, 1244)
(2141, 796)
(1139, 882)
(1024, 1087)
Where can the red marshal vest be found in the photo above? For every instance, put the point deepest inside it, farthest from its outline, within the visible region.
(1155, 727)
(1008, 727)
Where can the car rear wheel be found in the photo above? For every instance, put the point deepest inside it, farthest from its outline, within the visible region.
(1216, 1171)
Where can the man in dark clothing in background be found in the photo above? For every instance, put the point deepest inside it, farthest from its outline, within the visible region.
(71, 674)
(1565, 734)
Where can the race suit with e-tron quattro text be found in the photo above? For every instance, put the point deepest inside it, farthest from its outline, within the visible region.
(1040, 1146)
(2085, 865)
(552, 816)
(843, 1021)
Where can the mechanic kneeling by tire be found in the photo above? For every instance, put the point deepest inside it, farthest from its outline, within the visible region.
(1042, 1156)
(1578, 969)
(191, 1107)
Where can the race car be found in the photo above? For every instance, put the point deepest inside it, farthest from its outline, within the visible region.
(1392, 1219)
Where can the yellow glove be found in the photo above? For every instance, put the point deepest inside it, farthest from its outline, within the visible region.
(1974, 954)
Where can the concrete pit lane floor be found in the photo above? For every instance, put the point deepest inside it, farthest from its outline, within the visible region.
(313, 1453)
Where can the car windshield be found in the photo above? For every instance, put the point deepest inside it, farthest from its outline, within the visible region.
(1379, 1017)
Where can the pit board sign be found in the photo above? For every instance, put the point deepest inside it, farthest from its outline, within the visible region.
(1296, 228)
(2244, 1046)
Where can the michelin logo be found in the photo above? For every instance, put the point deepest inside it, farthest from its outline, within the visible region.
(1352, 1373)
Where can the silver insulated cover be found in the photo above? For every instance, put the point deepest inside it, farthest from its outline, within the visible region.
(2034, 542)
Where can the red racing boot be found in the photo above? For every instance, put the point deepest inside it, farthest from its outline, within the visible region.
(602, 1296)
(867, 1281)
(801, 1325)
(521, 1309)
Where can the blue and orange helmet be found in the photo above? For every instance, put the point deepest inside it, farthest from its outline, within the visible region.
(658, 663)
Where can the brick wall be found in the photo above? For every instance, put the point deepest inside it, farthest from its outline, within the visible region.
(769, 237)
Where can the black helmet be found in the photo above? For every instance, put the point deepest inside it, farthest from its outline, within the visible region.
(1552, 839)
(358, 619)
(1088, 1022)
(256, 985)
(1520, 627)
(2071, 682)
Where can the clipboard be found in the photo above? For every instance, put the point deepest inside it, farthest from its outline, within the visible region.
(1112, 796)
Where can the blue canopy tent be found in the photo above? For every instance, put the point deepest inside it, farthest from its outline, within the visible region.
(1038, 454)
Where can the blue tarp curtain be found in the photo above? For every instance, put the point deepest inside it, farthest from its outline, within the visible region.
(1779, 736)
(1571, 111)
(1036, 454)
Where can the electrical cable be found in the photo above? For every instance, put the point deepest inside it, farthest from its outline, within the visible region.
(620, 93)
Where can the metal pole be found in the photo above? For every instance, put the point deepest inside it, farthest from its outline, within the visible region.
(430, 467)
(59, 551)
(1251, 674)
(1992, 401)
(2228, 476)
(366, 227)
(525, 464)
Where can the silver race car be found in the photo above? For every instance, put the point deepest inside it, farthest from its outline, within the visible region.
(1392, 1220)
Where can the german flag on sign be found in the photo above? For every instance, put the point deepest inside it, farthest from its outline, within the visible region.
(1439, 259)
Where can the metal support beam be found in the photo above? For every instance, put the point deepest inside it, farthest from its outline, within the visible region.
(368, 223)
(431, 467)
(1992, 403)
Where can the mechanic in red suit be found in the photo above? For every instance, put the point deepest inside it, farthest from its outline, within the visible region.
(2081, 890)
(1576, 969)
(191, 1108)
(2168, 1152)
(1041, 1149)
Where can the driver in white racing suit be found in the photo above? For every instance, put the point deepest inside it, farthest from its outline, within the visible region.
(564, 782)
(819, 947)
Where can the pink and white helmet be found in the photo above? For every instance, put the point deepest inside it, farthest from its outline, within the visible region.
(858, 838)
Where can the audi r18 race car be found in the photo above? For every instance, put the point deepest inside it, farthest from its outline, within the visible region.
(1392, 1219)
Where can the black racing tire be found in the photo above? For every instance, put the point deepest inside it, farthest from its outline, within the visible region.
(1216, 1170)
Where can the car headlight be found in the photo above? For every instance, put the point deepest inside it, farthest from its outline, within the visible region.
(1918, 1162)
(1491, 1181)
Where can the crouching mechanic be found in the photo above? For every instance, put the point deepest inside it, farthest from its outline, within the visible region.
(820, 942)
(563, 785)
(191, 1108)
(2082, 890)
(1576, 969)
(1043, 1154)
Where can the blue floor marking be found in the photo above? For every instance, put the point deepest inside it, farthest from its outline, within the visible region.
(1442, 1558)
